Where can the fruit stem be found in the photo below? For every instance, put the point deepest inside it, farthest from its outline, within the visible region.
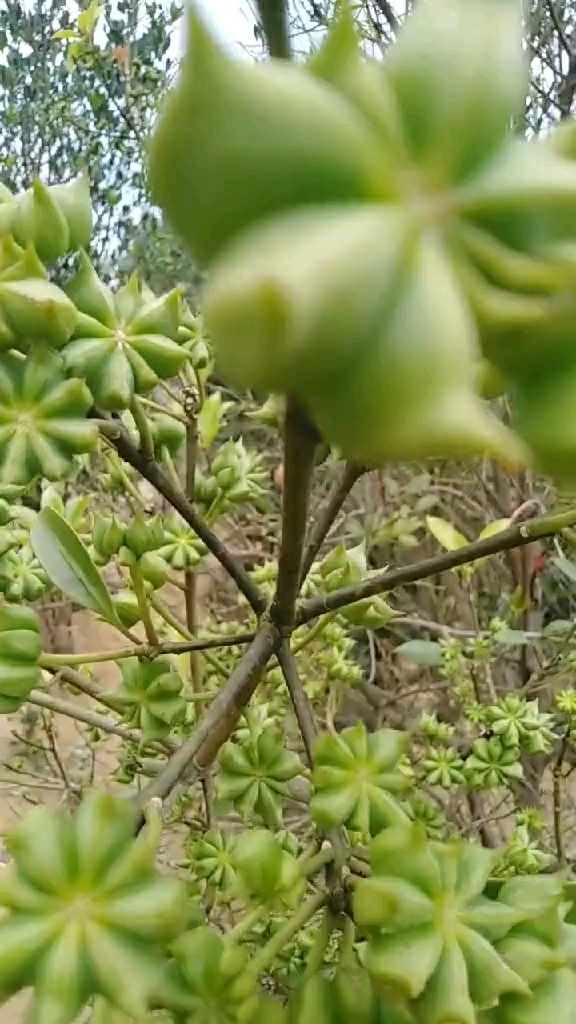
(266, 957)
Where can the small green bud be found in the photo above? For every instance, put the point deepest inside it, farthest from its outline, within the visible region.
(126, 606)
(107, 536)
(144, 535)
(153, 569)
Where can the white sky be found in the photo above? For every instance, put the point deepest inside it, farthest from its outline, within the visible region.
(231, 19)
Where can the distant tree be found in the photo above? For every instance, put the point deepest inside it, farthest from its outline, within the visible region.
(80, 91)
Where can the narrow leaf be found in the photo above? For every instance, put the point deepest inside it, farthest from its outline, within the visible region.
(512, 637)
(66, 561)
(447, 535)
(493, 528)
(558, 627)
(422, 652)
(65, 33)
(566, 567)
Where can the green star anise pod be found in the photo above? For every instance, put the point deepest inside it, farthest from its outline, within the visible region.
(432, 729)
(356, 779)
(108, 535)
(55, 218)
(332, 202)
(566, 702)
(208, 982)
(543, 953)
(522, 855)
(9, 539)
(431, 932)
(182, 548)
(150, 696)
(22, 578)
(43, 421)
(429, 815)
(121, 344)
(255, 720)
(492, 764)
(443, 766)
(337, 667)
(32, 309)
(254, 775)
(519, 722)
(238, 472)
(104, 1013)
(20, 649)
(342, 567)
(168, 432)
(212, 858)
(87, 912)
(127, 608)
(267, 871)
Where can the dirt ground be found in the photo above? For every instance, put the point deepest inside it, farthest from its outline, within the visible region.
(17, 794)
(30, 784)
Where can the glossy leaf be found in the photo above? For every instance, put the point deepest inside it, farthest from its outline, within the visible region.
(422, 652)
(66, 561)
(447, 535)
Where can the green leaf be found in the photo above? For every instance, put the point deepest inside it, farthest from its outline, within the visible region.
(447, 535)
(88, 19)
(570, 896)
(65, 33)
(512, 637)
(210, 418)
(426, 502)
(493, 528)
(559, 627)
(422, 652)
(566, 567)
(68, 564)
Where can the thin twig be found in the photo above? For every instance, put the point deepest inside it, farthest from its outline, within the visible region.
(300, 443)
(513, 537)
(145, 651)
(190, 576)
(385, 8)
(558, 26)
(49, 730)
(96, 721)
(139, 589)
(219, 721)
(299, 698)
(73, 678)
(557, 801)
(274, 17)
(151, 471)
(348, 476)
(266, 956)
(143, 427)
(438, 629)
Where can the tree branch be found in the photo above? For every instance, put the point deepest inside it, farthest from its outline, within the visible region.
(151, 471)
(300, 442)
(73, 678)
(219, 721)
(385, 8)
(190, 576)
(514, 537)
(299, 698)
(558, 26)
(348, 476)
(92, 718)
(557, 801)
(149, 651)
(274, 17)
